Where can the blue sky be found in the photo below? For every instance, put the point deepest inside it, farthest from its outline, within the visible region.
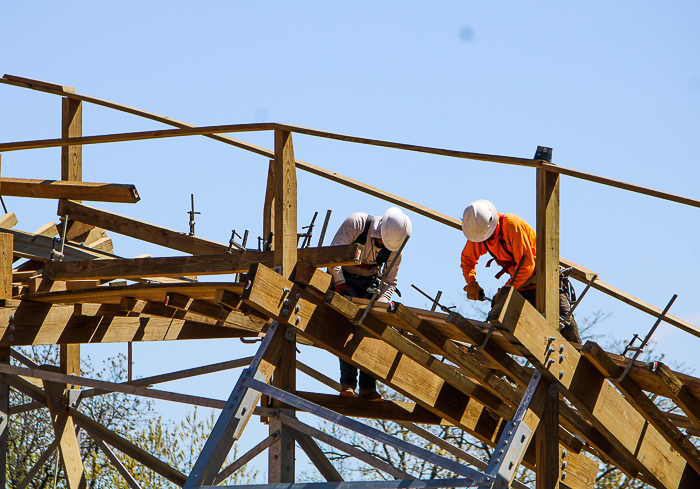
(613, 88)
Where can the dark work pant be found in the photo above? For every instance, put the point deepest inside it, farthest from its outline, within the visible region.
(357, 285)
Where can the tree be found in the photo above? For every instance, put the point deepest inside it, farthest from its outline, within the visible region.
(30, 433)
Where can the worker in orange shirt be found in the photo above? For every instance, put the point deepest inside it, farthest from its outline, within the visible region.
(508, 238)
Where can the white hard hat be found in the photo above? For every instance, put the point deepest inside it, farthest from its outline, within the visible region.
(479, 220)
(395, 227)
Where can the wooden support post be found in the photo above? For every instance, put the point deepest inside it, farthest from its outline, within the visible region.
(547, 444)
(4, 417)
(71, 170)
(285, 204)
(64, 430)
(281, 455)
(547, 266)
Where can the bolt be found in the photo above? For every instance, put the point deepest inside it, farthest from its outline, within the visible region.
(509, 433)
(564, 453)
(498, 460)
(297, 308)
(563, 475)
(289, 446)
(505, 442)
(550, 351)
(549, 363)
(298, 296)
(561, 349)
(285, 312)
(286, 290)
(235, 398)
(275, 456)
(287, 302)
(561, 358)
(297, 320)
(239, 389)
(503, 482)
(564, 465)
(12, 327)
(501, 451)
(12, 316)
(550, 339)
(510, 465)
(289, 469)
(12, 337)
(522, 440)
(561, 374)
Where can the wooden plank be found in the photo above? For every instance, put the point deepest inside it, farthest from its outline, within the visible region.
(603, 406)
(41, 246)
(6, 246)
(547, 264)
(9, 220)
(134, 136)
(172, 266)
(148, 292)
(549, 466)
(52, 325)
(449, 374)
(679, 393)
(455, 354)
(64, 430)
(38, 84)
(49, 229)
(312, 277)
(645, 406)
(74, 190)
(246, 457)
(114, 460)
(4, 418)
(269, 208)
(285, 251)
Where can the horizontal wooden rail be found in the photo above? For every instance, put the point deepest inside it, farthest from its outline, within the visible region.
(62, 189)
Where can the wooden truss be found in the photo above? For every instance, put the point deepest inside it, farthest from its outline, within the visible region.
(571, 407)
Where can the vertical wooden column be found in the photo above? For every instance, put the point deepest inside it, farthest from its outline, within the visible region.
(547, 266)
(547, 444)
(71, 170)
(547, 434)
(281, 466)
(6, 243)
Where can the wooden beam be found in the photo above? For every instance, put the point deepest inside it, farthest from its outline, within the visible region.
(547, 264)
(589, 392)
(641, 402)
(64, 430)
(40, 247)
(174, 266)
(4, 417)
(285, 204)
(674, 389)
(8, 221)
(317, 457)
(74, 190)
(549, 465)
(269, 208)
(246, 457)
(6, 256)
(139, 229)
(133, 136)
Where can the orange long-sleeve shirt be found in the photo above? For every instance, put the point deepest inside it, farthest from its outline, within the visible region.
(520, 240)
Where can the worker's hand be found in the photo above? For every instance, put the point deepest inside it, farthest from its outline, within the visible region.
(342, 289)
(474, 292)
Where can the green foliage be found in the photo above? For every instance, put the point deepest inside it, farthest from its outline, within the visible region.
(176, 443)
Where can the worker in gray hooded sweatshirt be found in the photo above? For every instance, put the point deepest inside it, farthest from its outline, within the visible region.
(382, 237)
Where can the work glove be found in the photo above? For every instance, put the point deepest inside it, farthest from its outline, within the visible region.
(474, 292)
(342, 289)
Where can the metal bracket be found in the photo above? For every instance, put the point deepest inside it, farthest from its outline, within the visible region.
(192, 213)
(308, 234)
(638, 349)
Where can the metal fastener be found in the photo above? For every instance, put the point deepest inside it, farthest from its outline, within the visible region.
(550, 351)
(564, 453)
(297, 308)
(234, 398)
(298, 296)
(549, 363)
(561, 374)
(563, 475)
(287, 302)
(551, 338)
(285, 312)
(12, 327)
(564, 465)
(561, 358)
(522, 440)
(286, 290)
(12, 337)
(561, 349)
(297, 320)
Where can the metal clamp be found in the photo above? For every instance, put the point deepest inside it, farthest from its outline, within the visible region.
(638, 349)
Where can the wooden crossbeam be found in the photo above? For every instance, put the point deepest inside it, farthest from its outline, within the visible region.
(60, 189)
(50, 325)
(146, 292)
(645, 406)
(581, 382)
(39, 247)
(673, 388)
(173, 266)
